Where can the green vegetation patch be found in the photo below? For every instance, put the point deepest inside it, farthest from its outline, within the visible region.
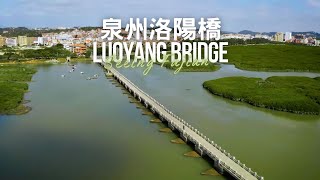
(46, 53)
(16, 73)
(275, 57)
(13, 85)
(291, 94)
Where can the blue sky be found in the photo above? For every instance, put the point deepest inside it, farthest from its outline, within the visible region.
(236, 15)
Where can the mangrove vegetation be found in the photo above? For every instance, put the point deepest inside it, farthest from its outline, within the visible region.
(13, 85)
(291, 94)
(275, 57)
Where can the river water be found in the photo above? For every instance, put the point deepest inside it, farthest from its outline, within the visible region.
(80, 129)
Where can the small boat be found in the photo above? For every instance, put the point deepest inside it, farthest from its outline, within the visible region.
(82, 72)
(88, 78)
(63, 75)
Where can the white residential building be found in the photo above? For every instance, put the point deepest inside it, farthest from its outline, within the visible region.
(288, 36)
(262, 36)
(12, 41)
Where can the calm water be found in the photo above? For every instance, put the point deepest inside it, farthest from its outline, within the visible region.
(81, 129)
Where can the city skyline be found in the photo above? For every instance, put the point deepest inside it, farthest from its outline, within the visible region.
(262, 16)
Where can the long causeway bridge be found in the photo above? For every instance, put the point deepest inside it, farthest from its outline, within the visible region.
(223, 161)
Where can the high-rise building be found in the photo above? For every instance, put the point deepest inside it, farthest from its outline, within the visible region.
(2, 41)
(288, 36)
(11, 41)
(22, 40)
(39, 41)
(279, 36)
(31, 40)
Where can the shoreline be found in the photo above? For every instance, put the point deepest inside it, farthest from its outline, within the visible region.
(259, 106)
(20, 110)
(14, 84)
(271, 70)
(228, 89)
(43, 61)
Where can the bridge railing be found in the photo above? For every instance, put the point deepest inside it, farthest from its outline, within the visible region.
(255, 174)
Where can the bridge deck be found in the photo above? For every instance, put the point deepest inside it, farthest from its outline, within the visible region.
(224, 159)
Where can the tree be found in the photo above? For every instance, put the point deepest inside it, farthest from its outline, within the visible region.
(59, 45)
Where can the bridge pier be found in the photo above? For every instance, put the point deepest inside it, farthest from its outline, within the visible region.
(171, 126)
(184, 137)
(199, 149)
(218, 167)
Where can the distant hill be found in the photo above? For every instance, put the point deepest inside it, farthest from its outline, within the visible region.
(19, 31)
(247, 32)
(310, 33)
(254, 33)
(227, 32)
(23, 31)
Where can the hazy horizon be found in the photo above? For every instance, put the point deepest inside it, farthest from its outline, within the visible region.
(262, 16)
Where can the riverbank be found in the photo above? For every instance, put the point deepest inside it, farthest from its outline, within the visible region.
(291, 94)
(13, 85)
(45, 61)
(275, 58)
